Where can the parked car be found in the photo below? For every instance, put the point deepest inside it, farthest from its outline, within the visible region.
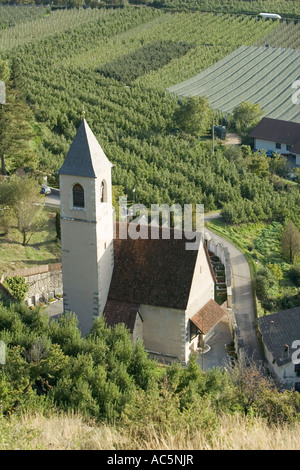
(45, 190)
(292, 176)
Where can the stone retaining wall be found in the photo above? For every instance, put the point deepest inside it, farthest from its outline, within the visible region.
(222, 252)
(44, 282)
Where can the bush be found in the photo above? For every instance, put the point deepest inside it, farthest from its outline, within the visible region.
(275, 270)
(294, 275)
(17, 286)
(262, 287)
(264, 280)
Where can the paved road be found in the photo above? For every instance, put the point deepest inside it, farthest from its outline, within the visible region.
(55, 308)
(243, 303)
(53, 199)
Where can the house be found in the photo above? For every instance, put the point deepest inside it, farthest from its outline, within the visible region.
(280, 333)
(163, 292)
(278, 136)
(2, 93)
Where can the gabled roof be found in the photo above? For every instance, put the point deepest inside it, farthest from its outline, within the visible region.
(85, 156)
(2, 92)
(280, 329)
(156, 272)
(121, 312)
(276, 130)
(208, 316)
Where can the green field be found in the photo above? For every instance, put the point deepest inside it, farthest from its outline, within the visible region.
(10, 16)
(107, 62)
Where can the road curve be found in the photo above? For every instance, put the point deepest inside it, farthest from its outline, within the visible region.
(242, 299)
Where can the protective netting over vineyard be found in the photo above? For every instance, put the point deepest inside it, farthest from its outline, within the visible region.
(263, 75)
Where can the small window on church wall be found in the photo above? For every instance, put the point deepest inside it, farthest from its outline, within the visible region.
(78, 195)
(103, 195)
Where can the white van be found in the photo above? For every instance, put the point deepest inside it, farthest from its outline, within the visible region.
(270, 15)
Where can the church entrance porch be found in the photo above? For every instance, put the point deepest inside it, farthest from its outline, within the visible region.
(209, 324)
(216, 355)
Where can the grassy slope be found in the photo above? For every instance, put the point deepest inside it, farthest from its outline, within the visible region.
(71, 432)
(42, 248)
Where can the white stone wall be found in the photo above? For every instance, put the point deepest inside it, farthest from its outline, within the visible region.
(260, 144)
(138, 331)
(203, 286)
(87, 247)
(164, 331)
(222, 252)
(285, 374)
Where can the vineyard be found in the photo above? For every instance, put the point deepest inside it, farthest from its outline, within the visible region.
(72, 59)
(11, 16)
(261, 75)
(286, 8)
(36, 23)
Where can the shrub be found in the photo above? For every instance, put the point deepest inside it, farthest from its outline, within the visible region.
(262, 286)
(275, 270)
(17, 286)
(264, 280)
(294, 275)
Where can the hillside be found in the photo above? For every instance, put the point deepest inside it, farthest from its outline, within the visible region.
(261, 75)
(58, 431)
(286, 8)
(103, 391)
(58, 389)
(62, 65)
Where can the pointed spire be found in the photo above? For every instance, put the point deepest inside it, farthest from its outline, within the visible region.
(85, 156)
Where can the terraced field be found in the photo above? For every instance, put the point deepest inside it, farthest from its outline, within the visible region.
(257, 74)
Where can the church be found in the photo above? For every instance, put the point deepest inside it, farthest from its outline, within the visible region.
(161, 291)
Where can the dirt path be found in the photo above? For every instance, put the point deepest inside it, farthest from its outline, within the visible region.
(232, 139)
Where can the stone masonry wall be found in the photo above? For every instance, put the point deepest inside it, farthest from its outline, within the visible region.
(44, 282)
(43, 286)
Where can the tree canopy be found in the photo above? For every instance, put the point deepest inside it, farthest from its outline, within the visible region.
(22, 205)
(107, 377)
(246, 115)
(194, 115)
(290, 242)
(16, 133)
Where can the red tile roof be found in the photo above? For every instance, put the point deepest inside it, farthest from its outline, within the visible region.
(208, 316)
(152, 271)
(120, 312)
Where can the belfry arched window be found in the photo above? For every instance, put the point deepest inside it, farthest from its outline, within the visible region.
(78, 195)
(103, 192)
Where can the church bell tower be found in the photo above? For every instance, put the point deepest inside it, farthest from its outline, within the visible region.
(86, 227)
